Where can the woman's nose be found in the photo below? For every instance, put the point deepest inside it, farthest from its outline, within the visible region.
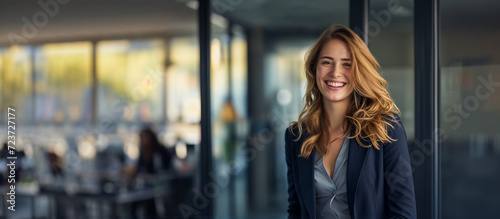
(336, 71)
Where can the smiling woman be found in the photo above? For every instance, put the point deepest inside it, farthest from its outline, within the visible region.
(371, 103)
(352, 128)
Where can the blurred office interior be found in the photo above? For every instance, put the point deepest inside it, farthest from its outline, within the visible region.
(85, 77)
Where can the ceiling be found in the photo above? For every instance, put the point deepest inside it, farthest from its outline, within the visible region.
(111, 19)
(93, 19)
(294, 14)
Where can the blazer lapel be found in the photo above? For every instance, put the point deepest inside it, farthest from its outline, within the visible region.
(355, 163)
(306, 179)
(356, 159)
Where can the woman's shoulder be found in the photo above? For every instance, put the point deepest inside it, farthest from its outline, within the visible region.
(395, 127)
(293, 128)
(293, 132)
(397, 132)
(294, 139)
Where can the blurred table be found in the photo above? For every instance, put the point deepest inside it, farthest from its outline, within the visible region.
(115, 198)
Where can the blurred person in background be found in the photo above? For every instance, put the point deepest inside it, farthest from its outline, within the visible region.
(154, 159)
(55, 163)
(347, 155)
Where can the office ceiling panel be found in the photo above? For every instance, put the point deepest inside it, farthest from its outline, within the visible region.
(84, 20)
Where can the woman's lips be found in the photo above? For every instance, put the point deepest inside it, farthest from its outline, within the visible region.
(335, 85)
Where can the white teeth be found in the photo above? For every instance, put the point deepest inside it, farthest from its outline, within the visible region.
(333, 84)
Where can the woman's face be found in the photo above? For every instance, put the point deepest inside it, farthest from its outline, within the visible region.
(333, 72)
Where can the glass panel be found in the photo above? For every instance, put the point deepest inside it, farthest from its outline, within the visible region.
(183, 113)
(470, 109)
(147, 68)
(391, 42)
(131, 72)
(183, 84)
(249, 151)
(15, 82)
(62, 83)
(229, 107)
(239, 71)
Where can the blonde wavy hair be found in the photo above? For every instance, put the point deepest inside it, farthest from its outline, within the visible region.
(371, 109)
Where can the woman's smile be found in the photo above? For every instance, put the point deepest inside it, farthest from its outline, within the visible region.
(335, 85)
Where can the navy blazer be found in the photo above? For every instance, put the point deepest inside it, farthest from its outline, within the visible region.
(379, 182)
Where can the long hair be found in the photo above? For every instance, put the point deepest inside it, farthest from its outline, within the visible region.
(371, 108)
(151, 134)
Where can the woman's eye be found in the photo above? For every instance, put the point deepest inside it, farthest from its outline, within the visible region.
(326, 63)
(347, 64)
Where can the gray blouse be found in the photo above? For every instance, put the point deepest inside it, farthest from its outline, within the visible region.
(331, 193)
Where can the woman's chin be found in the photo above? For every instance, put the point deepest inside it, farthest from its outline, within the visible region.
(334, 99)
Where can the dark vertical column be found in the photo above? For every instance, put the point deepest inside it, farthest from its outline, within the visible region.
(255, 52)
(427, 107)
(93, 99)
(358, 17)
(206, 130)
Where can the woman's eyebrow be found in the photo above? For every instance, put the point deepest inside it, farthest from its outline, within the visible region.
(328, 57)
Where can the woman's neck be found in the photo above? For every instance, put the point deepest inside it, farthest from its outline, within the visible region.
(335, 114)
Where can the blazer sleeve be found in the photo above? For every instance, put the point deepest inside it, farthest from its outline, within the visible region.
(293, 201)
(398, 183)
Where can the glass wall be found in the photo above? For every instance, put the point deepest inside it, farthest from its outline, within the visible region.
(62, 83)
(391, 42)
(229, 114)
(16, 82)
(470, 109)
(183, 83)
(131, 71)
(83, 99)
(254, 109)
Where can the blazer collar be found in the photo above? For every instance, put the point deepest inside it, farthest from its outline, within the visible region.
(355, 163)
(306, 178)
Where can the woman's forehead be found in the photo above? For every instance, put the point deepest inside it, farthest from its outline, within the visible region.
(336, 49)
